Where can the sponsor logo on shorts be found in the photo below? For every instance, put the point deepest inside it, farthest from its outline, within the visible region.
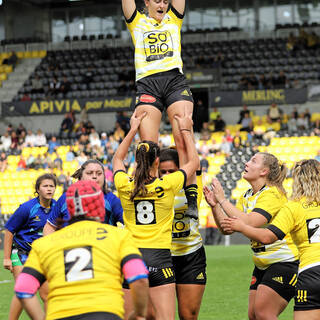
(253, 280)
(278, 279)
(200, 276)
(185, 93)
(302, 295)
(148, 99)
(167, 272)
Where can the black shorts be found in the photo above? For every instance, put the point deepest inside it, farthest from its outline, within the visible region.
(162, 89)
(191, 268)
(281, 277)
(159, 265)
(93, 316)
(308, 290)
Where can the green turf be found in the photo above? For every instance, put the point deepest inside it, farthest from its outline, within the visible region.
(229, 273)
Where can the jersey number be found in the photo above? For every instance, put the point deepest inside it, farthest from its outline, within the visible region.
(314, 230)
(78, 264)
(145, 213)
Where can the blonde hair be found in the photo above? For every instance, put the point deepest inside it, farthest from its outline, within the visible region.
(277, 171)
(306, 180)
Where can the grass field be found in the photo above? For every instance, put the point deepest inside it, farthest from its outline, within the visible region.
(229, 273)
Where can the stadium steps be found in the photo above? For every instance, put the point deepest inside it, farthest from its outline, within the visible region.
(16, 79)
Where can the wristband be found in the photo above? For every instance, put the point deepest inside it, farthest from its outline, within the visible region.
(185, 130)
(220, 203)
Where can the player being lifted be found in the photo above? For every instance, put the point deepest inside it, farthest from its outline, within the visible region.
(84, 263)
(300, 217)
(147, 203)
(258, 206)
(159, 76)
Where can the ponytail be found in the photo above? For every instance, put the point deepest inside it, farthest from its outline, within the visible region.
(277, 171)
(146, 153)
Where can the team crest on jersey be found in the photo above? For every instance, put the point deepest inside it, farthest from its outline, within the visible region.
(185, 93)
(278, 279)
(253, 280)
(36, 218)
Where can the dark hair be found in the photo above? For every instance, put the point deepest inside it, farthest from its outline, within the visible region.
(147, 152)
(169, 154)
(46, 176)
(79, 172)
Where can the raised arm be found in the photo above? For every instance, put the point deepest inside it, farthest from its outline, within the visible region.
(119, 156)
(179, 5)
(253, 219)
(185, 126)
(217, 212)
(128, 8)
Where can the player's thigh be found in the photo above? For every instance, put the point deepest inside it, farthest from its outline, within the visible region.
(189, 298)
(268, 303)
(149, 127)
(16, 270)
(163, 300)
(307, 315)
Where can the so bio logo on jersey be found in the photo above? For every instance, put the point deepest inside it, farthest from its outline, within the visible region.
(157, 45)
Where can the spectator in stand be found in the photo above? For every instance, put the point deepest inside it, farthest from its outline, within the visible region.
(41, 139)
(204, 163)
(84, 118)
(54, 87)
(53, 145)
(5, 142)
(123, 120)
(259, 130)
(108, 175)
(313, 41)
(274, 114)
(82, 158)
(57, 162)
(9, 128)
(263, 82)
(292, 123)
(205, 133)
(219, 124)
(22, 165)
(246, 123)
(243, 82)
(88, 76)
(30, 161)
(307, 115)
(225, 147)
(26, 97)
(20, 129)
(94, 138)
(65, 86)
(302, 122)
(37, 85)
(30, 139)
(104, 139)
(12, 60)
(252, 82)
(14, 142)
(66, 125)
(38, 162)
(237, 141)
(292, 42)
(3, 161)
(83, 140)
(228, 136)
(242, 113)
(118, 132)
(280, 81)
(214, 115)
(21, 140)
(70, 154)
(203, 147)
(214, 147)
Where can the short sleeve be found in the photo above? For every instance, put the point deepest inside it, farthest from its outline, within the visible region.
(239, 204)
(175, 180)
(120, 180)
(283, 223)
(268, 204)
(18, 219)
(132, 22)
(178, 17)
(116, 207)
(128, 249)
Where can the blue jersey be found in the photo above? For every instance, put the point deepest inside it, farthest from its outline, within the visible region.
(27, 222)
(113, 208)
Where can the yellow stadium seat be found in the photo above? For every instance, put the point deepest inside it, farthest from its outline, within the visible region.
(3, 76)
(8, 69)
(42, 53)
(315, 116)
(28, 54)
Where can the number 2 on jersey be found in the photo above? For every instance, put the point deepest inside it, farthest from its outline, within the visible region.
(78, 264)
(314, 230)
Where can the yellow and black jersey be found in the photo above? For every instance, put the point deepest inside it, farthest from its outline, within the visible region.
(302, 220)
(157, 45)
(268, 201)
(149, 218)
(186, 237)
(82, 263)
